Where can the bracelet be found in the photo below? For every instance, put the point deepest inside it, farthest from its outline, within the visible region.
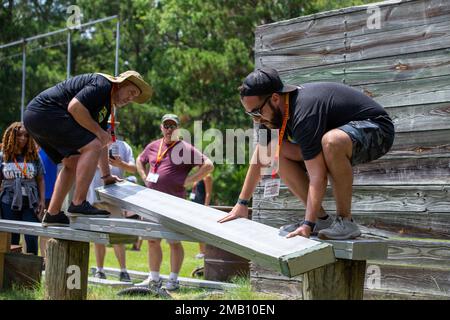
(309, 224)
(106, 176)
(243, 202)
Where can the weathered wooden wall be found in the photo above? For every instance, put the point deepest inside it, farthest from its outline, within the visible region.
(404, 196)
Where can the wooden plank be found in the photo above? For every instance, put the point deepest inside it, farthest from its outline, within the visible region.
(144, 229)
(22, 270)
(435, 225)
(371, 198)
(36, 229)
(349, 22)
(243, 237)
(5, 242)
(387, 43)
(419, 65)
(185, 282)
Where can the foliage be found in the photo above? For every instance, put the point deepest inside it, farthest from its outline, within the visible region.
(195, 53)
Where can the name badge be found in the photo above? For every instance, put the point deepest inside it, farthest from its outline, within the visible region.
(152, 177)
(192, 196)
(272, 188)
(24, 192)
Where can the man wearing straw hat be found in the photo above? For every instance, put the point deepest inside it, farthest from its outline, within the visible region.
(69, 121)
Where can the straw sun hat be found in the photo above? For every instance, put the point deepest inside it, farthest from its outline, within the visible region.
(136, 79)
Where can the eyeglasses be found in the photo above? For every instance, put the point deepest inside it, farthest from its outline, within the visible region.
(257, 111)
(170, 126)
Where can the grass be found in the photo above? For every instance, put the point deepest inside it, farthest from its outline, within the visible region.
(137, 260)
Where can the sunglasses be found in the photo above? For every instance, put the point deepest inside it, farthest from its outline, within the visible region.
(257, 111)
(169, 126)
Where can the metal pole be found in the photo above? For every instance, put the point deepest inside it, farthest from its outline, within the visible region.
(69, 53)
(116, 66)
(24, 64)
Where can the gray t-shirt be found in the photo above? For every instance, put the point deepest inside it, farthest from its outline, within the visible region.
(10, 171)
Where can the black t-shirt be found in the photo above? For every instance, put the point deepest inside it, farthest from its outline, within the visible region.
(92, 90)
(316, 108)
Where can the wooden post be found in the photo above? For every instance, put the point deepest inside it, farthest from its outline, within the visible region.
(5, 245)
(66, 271)
(342, 280)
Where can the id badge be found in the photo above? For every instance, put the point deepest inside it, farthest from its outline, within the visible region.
(24, 192)
(152, 177)
(272, 188)
(192, 196)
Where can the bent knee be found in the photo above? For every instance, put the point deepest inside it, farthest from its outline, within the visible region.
(336, 141)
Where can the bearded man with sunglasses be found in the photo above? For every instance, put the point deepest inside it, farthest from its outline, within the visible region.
(165, 165)
(325, 129)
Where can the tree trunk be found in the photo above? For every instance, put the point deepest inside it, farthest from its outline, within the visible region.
(66, 270)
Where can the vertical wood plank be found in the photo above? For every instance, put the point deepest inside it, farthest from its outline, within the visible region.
(342, 280)
(5, 245)
(66, 270)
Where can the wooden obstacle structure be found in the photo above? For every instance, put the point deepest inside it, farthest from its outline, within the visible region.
(397, 52)
(69, 249)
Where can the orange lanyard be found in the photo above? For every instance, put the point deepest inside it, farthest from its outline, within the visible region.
(160, 155)
(24, 170)
(111, 110)
(282, 131)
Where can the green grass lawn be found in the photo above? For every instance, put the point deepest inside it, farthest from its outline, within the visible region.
(138, 260)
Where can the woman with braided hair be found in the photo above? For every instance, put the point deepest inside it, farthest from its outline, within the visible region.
(22, 191)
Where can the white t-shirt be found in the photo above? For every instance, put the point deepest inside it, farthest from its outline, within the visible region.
(126, 154)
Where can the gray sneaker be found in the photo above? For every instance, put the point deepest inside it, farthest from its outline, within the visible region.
(320, 225)
(172, 285)
(341, 229)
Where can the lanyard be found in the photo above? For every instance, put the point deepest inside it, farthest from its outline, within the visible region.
(280, 137)
(160, 155)
(24, 170)
(111, 111)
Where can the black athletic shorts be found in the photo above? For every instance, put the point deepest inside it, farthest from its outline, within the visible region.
(56, 131)
(371, 138)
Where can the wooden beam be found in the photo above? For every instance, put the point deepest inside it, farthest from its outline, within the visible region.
(5, 245)
(66, 233)
(243, 237)
(144, 229)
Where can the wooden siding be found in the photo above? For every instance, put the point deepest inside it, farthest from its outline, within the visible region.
(405, 66)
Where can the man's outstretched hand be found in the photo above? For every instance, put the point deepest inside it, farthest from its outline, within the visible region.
(239, 211)
(303, 230)
(111, 179)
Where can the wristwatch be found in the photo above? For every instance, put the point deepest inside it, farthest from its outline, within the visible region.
(310, 224)
(243, 202)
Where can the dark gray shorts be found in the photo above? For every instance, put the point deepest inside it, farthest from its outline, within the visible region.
(371, 138)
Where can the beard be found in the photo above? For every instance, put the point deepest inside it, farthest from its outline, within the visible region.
(277, 119)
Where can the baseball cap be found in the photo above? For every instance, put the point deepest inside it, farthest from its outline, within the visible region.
(264, 81)
(170, 116)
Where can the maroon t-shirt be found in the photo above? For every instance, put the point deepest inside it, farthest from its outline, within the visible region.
(173, 168)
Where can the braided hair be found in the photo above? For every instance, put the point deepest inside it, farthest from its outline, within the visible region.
(9, 143)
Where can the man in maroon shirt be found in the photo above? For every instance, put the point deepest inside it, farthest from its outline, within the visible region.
(164, 165)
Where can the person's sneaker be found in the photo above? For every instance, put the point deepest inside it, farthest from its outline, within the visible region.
(150, 283)
(86, 209)
(341, 229)
(320, 225)
(100, 275)
(172, 285)
(59, 219)
(124, 276)
(200, 256)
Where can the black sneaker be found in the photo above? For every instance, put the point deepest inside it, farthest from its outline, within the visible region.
(124, 277)
(59, 219)
(100, 275)
(86, 209)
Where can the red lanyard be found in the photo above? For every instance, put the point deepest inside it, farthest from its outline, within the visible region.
(280, 137)
(113, 134)
(160, 155)
(24, 170)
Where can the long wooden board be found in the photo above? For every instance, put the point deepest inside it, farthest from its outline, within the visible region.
(242, 237)
(65, 233)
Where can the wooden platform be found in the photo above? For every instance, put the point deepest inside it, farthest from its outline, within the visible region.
(246, 238)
